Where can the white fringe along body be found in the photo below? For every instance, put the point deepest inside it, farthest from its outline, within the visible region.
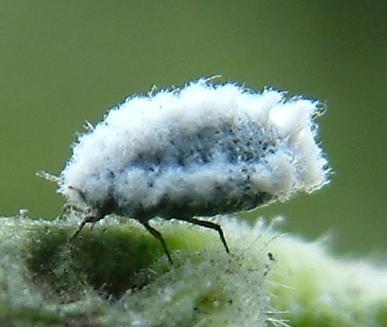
(200, 150)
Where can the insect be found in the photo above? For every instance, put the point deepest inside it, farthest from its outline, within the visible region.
(197, 151)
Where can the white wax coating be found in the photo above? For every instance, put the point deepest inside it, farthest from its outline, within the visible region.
(200, 150)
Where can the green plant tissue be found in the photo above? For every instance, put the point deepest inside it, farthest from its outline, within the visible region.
(117, 275)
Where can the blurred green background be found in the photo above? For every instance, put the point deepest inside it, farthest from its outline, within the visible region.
(64, 62)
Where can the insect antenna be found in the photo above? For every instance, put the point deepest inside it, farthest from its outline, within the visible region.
(49, 177)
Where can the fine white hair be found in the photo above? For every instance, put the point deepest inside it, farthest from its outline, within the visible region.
(200, 150)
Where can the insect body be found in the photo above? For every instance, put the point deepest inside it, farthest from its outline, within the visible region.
(200, 150)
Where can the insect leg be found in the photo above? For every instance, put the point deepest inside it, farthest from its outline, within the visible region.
(158, 235)
(67, 207)
(87, 219)
(209, 224)
(80, 192)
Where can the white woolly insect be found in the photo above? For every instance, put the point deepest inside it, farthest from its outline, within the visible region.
(200, 150)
